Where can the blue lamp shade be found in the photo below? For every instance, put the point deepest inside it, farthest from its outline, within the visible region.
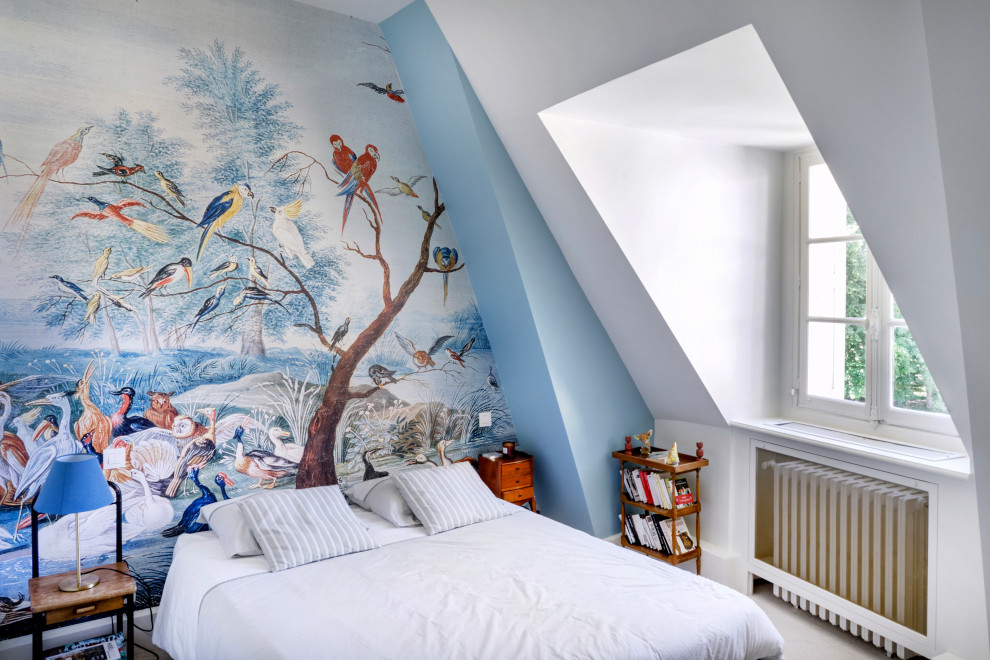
(74, 484)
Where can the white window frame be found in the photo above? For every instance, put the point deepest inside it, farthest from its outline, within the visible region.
(879, 324)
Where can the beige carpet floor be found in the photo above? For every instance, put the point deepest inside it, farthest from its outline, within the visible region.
(807, 637)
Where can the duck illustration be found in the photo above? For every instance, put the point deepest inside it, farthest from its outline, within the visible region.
(120, 422)
(287, 450)
(260, 464)
(147, 510)
(421, 459)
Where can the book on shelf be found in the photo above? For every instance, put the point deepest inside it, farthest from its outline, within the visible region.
(649, 533)
(630, 480)
(629, 530)
(657, 521)
(651, 479)
(645, 538)
(647, 492)
(666, 531)
(664, 487)
(682, 493)
(685, 542)
(634, 488)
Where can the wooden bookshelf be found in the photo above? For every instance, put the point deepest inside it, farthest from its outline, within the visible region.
(687, 464)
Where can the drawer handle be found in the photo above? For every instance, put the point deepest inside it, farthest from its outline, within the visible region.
(88, 608)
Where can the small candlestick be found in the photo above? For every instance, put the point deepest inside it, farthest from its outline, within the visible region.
(701, 451)
(628, 448)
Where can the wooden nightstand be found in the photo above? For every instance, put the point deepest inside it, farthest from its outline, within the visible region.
(114, 595)
(509, 478)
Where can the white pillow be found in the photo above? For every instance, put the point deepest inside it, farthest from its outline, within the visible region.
(230, 524)
(382, 497)
(447, 497)
(295, 527)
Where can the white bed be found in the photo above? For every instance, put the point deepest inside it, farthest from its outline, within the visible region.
(521, 586)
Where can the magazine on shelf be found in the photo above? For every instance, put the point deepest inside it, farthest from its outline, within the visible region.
(683, 495)
(108, 647)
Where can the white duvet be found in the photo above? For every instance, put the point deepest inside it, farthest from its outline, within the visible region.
(519, 587)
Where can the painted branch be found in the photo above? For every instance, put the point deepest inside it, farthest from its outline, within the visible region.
(318, 467)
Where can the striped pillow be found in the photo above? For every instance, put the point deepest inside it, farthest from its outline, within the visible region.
(295, 527)
(447, 497)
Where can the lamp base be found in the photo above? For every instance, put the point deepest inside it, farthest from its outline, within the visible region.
(71, 584)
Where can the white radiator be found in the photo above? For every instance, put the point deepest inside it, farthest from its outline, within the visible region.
(858, 537)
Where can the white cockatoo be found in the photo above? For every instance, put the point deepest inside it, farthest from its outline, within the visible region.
(287, 234)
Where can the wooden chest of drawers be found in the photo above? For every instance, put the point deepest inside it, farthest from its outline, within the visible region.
(509, 478)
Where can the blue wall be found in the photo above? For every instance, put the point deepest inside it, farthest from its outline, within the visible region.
(571, 397)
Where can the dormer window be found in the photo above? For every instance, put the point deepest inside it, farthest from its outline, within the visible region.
(857, 356)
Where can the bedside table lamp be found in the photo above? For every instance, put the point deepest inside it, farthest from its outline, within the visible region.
(75, 484)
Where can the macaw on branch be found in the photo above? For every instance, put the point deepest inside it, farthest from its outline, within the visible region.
(357, 181)
(223, 207)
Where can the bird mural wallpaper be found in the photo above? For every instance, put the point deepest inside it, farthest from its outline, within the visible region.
(224, 262)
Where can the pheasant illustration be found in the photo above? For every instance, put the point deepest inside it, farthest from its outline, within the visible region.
(62, 155)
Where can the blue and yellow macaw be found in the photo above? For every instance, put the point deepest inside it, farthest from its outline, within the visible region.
(446, 259)
(221, 209)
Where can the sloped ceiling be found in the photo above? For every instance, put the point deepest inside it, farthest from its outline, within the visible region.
(694, 201)
(858, 73)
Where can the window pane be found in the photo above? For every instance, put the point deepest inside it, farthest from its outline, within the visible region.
(837, 279)
(828, 214)
(837, 361)
(913, 387)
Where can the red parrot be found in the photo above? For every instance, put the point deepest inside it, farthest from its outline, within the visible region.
(117, 167)
(146, 229)
(357, 181)
(343, 156)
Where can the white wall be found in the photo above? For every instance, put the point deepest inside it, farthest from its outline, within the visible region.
(699, 222)
(892, 92)
(857, 71)
(956, 34)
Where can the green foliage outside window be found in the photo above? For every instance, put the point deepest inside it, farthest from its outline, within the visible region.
(914, 388)
(855, 373)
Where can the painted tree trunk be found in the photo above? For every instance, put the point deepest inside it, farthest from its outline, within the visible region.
(153, 344)
(143, 328)
(253, 335)
(318, 467)
(111, 333)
